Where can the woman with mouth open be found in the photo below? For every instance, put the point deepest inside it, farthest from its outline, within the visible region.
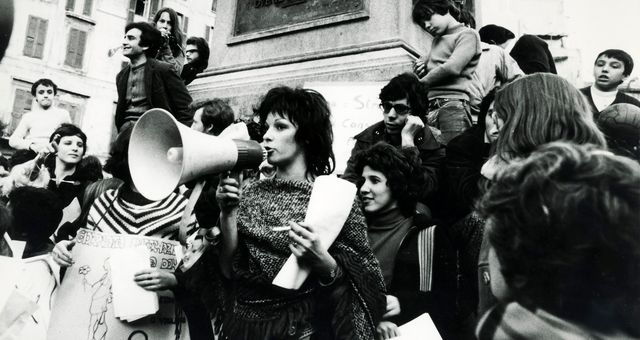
(172, 49)
(417, 258)
(262, 226)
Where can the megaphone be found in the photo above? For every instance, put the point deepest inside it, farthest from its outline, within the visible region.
(164, 153)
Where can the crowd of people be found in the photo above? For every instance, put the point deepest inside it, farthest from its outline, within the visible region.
(493, 194)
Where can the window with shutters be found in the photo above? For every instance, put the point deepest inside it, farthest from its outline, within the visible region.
(75, 48)
(70, 6)
(22, 102)
(36, 35)
(86, 10)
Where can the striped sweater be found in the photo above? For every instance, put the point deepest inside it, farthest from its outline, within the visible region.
(112, 214)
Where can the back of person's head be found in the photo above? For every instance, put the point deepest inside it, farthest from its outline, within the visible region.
(424, 9)
(621, 125)
(44, 82)
(36, 212)
(150, 37)
(176, 30)
(310, 113)
(495, 35)
(539, 109)
(401, 167)
(118, 162)
(620, 55)
(406, 86)
(216, 113)
(533, 55)
(67, 129)
(203, 50)
(90, 168)
(564, 226)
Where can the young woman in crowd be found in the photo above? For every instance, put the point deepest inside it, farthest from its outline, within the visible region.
(68, 177)
(417, 258)
(536, 109)
(172, 49)
(539, 109)
(344, 296)
(564, 246)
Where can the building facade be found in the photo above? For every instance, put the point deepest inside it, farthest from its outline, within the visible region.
(76, 43)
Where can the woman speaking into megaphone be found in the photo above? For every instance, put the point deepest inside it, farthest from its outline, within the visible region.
(262, 227)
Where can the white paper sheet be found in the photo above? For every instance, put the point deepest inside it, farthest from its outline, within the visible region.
(420, 328)
(130, 301)
(329, 206)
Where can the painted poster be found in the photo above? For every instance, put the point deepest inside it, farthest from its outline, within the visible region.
(354, 107)
(83, 309)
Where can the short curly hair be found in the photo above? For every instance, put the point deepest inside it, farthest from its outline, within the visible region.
(566, 220)
(401, 167)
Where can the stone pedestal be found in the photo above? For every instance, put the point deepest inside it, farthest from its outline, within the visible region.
(259, 44)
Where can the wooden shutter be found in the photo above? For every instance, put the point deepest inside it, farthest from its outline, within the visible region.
(87, 7)
(154, 6)
(75, 48)
(36, 35)
(185, 26)
(21, 103)
(42, 35)
(30, 40)
(131, 11)
(70, 6)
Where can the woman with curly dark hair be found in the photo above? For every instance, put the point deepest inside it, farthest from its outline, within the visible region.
(172, 49)
(417, 258)
(564, 246)
(343, 298)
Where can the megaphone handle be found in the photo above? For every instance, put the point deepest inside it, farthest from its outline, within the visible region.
(188, 210)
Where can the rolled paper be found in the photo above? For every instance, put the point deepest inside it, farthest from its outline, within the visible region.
(329, 207)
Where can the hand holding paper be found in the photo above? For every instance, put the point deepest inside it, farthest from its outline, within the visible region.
(130, 301)
(329, 206)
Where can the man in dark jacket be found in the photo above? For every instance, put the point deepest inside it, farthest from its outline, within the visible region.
(147, 83)
(403, 104)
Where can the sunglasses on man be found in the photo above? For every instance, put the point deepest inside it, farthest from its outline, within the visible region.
(398, 108)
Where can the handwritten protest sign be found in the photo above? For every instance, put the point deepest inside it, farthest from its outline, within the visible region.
(84, 304)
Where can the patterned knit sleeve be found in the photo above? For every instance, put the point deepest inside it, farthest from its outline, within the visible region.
(360, 301)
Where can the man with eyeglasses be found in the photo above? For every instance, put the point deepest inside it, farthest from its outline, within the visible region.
(197, 54)
(403, 103)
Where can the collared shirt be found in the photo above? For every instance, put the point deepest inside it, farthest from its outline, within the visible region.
(137, 102)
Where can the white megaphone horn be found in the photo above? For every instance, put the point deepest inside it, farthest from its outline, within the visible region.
(164, 153)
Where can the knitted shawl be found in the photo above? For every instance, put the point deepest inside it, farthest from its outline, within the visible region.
(260, 310)
(112, 214)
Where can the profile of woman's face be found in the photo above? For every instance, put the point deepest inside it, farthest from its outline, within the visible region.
(279, 141)
(375, 194)
(70, 149)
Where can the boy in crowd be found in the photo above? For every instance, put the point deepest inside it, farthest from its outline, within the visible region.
(611, 68)
(36, 126)
(448, 68)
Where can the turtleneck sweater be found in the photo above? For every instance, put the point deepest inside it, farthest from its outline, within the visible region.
(386, 231)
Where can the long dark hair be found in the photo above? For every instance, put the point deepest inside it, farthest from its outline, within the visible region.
(309, 112)
(177, 37)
